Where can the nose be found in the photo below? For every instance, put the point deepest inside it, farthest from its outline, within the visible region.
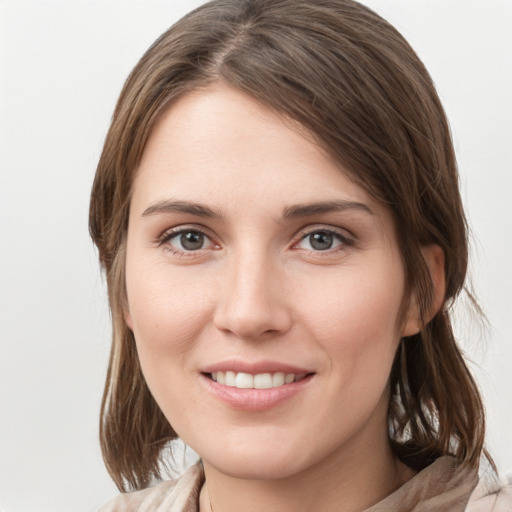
(253, 301)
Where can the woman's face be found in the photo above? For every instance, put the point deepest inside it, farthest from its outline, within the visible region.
(264, 290)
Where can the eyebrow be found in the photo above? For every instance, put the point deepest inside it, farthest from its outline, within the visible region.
(306, 210)
(181, 207)
(290, 212)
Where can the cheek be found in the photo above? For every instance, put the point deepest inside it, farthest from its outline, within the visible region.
(355, 320)
(364, 300)
(168, 319)
(168, 312)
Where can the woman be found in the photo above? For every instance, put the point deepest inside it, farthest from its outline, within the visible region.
(277, 212)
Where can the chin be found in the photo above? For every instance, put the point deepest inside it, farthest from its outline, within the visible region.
(260, 461)
(253, 467)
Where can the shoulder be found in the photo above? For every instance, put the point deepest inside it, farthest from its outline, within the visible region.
(180, 495)
(491, 496)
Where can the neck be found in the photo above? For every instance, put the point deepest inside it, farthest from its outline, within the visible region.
(346, 481)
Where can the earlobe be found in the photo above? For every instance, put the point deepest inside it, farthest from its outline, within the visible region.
(128, 319)
(434, 258)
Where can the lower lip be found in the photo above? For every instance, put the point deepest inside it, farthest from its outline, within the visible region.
(255, 400)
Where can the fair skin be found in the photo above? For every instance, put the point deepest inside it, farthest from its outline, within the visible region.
(250, 251)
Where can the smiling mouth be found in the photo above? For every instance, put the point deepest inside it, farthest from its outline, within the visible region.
(242, 380)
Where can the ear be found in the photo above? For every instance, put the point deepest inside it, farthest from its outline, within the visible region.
(434, 258)
(128, 318)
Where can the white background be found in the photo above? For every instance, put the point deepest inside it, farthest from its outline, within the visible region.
(62, 65)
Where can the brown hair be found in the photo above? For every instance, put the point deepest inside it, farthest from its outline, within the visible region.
(351, 79)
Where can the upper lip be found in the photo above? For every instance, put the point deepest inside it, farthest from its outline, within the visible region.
(254, 368)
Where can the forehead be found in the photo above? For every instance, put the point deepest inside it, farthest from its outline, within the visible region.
(221, 143)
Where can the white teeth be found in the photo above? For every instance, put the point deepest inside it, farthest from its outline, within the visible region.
(277, 379)
(290, 377)
(259, 381)
(263, 381)
(244, 381)
(230, 379)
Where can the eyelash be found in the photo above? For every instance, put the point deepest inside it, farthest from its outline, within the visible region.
(344, 240)
(168, 235)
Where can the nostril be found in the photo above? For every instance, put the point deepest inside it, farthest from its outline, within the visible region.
(253, 323)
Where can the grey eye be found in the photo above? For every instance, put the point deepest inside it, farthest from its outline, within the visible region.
(321, 241)
(189, 240)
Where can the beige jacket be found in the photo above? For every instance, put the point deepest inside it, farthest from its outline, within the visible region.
(438, 488)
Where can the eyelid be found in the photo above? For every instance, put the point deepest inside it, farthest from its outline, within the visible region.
(170, 233)
(344, 235)
(180, 228)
